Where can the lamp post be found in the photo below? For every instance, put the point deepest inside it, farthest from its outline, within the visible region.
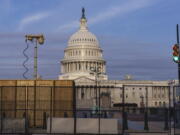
(97, 71)
(39, 39)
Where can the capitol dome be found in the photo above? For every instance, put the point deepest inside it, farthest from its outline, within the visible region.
(83, 37)
(82, 54)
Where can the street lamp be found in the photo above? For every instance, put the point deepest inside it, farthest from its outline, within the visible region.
(39, 39)
(96, 71)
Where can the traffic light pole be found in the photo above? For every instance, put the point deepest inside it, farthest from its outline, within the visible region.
(177, 30)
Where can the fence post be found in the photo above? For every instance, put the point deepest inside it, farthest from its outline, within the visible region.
(146, 121)
(26, 122)
(174, 108)
(169, 108)
(166, 127)
(51, 108)
(44, 120)
(74, 107)
(125, 121)
(99, 110)
(1, 111)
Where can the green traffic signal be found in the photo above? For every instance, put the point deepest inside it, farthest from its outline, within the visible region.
(176, 59)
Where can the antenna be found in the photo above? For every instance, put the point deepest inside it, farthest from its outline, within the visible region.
(38, 39)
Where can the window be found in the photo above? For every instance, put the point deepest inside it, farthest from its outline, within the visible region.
(164, 104)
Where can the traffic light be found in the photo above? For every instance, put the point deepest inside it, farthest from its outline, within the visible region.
(176, 53)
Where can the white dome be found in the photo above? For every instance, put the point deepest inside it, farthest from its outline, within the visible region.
(83, 53)
(83, 36)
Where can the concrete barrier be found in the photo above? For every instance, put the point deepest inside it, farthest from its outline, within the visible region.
(13, 125)
(60, 125)
(84, 125)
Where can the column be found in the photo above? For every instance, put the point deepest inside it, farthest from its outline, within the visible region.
(84, 66)
(104, 67)
(88, 93)
(101, 67)
(68, 67)
(74, 66)
(78, 66)
(62, 68)
(65, 67)
(87, 66)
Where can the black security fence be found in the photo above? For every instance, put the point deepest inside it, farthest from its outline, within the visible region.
(31, 110)
(176, 110)
(126, 109)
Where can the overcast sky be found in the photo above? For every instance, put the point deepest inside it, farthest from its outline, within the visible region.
(136, 35)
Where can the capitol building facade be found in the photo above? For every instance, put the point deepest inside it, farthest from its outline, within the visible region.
(83, 62)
